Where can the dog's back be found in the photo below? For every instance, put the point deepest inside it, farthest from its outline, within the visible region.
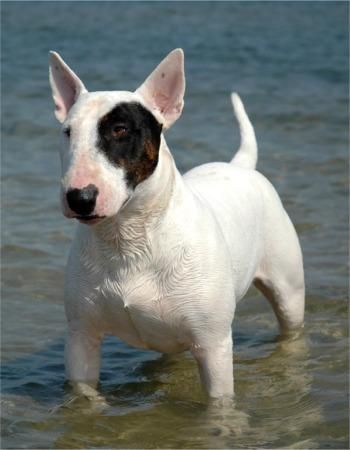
(255, 226)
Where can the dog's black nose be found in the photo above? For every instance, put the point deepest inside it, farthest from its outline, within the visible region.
(82, 201)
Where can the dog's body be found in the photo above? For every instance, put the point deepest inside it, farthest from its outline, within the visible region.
(161, 260)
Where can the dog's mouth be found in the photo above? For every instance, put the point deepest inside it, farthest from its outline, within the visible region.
(89, 220)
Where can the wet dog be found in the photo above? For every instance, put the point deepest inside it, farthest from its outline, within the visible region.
(160, 259)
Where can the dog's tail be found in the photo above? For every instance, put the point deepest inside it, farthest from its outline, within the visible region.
(247, 154)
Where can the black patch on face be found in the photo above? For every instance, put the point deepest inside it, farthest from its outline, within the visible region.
(129, 136)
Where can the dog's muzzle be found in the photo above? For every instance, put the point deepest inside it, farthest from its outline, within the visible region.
(82, 201)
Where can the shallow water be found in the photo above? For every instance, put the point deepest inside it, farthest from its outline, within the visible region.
(289, 63)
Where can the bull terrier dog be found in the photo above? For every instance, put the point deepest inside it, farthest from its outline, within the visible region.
(161, 259)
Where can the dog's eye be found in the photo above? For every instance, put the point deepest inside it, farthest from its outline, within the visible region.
(66, 131)
(119, 131)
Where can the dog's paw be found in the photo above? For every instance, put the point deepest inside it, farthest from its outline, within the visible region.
(84, 398)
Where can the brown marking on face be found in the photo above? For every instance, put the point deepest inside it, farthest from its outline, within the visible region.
(129, 136)
(140, 170)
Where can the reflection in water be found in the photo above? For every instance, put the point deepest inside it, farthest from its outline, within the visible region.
(167, 408)
(157, 401)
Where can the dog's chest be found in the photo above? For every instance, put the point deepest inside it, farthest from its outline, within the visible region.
(146, 306)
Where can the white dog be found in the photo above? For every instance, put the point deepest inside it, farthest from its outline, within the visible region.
(159, 259)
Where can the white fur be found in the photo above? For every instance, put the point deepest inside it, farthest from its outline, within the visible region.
(166, 269)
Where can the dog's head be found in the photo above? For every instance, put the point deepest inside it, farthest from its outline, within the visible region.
(112, 139)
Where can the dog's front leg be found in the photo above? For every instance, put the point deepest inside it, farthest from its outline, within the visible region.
(82, 360)
(216, 366)
(82, 357)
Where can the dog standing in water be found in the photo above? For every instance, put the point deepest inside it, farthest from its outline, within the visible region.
(160, 259)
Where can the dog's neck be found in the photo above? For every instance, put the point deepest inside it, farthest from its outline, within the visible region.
(128, 233)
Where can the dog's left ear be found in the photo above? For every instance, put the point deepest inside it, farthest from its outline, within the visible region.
(163, 91)
(65, 84)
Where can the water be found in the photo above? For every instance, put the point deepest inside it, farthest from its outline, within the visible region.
(289, 63)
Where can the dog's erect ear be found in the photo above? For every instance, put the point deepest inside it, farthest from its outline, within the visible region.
(163, 91)
(65, 84)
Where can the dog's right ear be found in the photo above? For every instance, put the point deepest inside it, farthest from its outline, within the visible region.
(65, 84)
